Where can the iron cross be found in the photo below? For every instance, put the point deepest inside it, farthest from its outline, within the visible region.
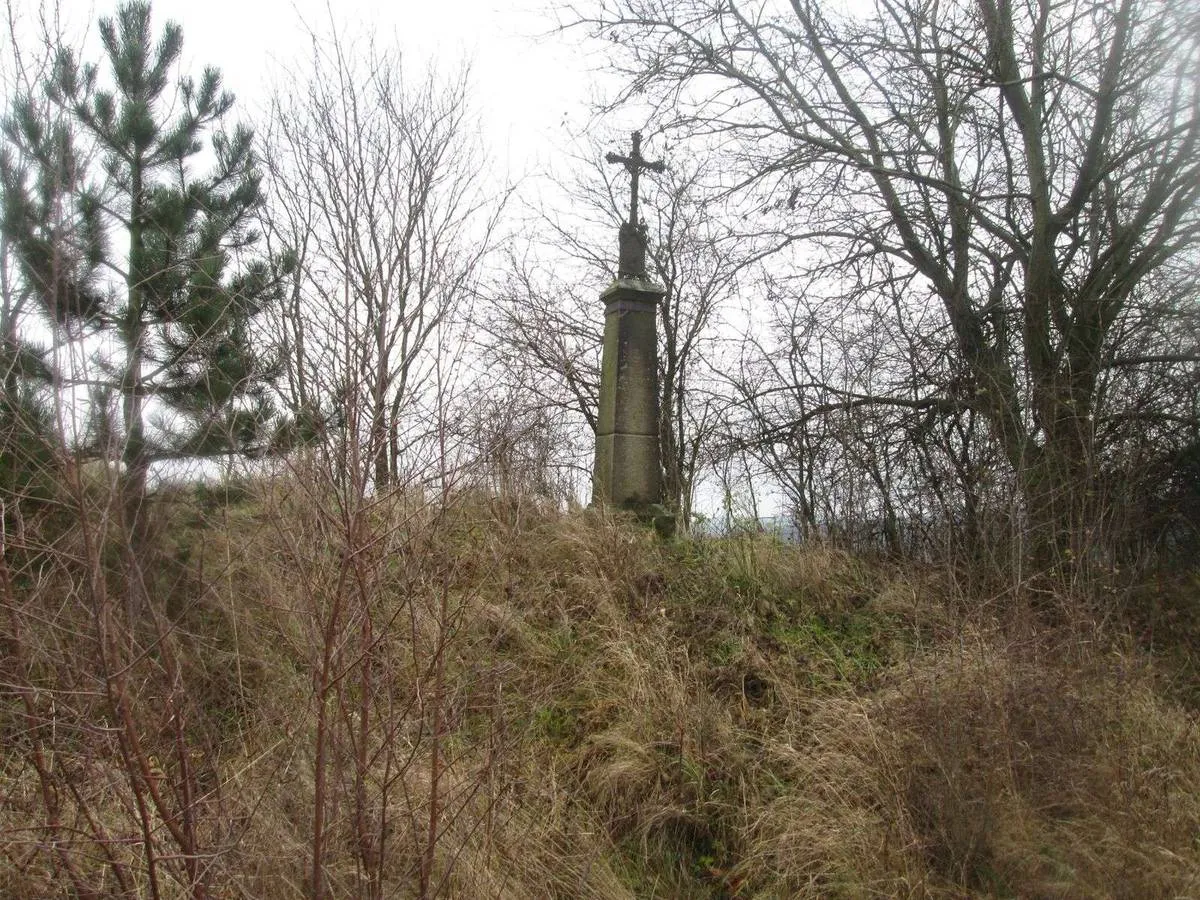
(634, 163)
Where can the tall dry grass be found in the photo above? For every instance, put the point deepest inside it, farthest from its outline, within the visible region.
(459, 696)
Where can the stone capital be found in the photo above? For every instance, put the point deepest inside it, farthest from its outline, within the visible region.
(633, 291)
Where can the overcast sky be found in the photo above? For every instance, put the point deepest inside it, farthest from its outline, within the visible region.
(531, 84)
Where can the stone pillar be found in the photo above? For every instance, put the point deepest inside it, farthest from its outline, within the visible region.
(628, 470)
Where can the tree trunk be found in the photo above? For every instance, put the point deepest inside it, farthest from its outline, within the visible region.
(135, 455)
(1056, 489)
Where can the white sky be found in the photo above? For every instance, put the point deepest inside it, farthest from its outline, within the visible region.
(529, 81)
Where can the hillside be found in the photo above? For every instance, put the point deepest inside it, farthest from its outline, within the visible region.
(481, 698)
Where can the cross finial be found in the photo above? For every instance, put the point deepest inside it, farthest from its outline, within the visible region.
(634, 163)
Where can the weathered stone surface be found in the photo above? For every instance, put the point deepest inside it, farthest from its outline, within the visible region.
(629, 373)
(628, 472)
(628, 469)
(631, 251)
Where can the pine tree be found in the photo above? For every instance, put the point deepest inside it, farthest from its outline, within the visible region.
(121, 242)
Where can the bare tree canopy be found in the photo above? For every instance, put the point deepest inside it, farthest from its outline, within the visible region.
(378, 184)
(1032, 169)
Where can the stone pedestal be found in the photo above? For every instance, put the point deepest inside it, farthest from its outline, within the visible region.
(628, 470)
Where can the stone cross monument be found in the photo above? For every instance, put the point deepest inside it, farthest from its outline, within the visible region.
(628, 470)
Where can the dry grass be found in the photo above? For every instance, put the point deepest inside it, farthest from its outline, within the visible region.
(993, 768)
(619, 718)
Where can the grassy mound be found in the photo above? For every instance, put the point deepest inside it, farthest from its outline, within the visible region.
(488, 699)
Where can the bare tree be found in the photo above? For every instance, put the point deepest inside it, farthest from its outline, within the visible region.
(835, 399)
(1027, 168)
(378, 187)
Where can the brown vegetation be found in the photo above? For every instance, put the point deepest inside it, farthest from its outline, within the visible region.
(481, 698)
